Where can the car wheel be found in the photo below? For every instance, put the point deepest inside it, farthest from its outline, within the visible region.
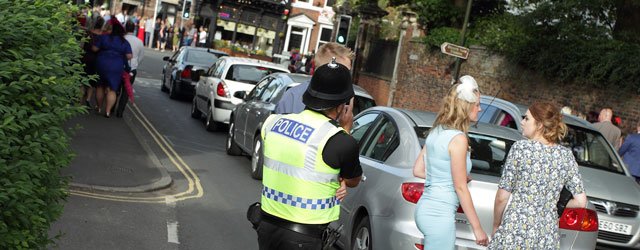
(257, 159)
(163, 88)
(173, 92)
(195, 112)
(210, 124)
(362, 235)
(232, 146)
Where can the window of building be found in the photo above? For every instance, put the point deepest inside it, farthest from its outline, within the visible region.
(295, 38)
(325, 36)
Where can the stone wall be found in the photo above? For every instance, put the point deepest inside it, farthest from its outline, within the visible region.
(424, 77)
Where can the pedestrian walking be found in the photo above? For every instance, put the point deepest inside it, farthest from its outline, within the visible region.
(113, 51)
(148, 31)
(291, 101)
(630, 152)
(137, 49)
(444, 163)
(534, 174)
(89, 60)
(606, 127)
(305, 182)
(202, 37)
(175, 41)
(141, 30)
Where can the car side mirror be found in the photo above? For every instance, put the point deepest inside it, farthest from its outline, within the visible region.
(240, 94)
(195, 75)
(166, 58)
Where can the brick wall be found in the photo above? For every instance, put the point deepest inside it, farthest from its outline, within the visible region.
(424, 77)
(377, 87)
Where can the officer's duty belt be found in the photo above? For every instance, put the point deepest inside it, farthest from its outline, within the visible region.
(314, 230)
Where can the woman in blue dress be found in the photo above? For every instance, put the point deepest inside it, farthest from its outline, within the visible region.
(113, 53)
(444, 163)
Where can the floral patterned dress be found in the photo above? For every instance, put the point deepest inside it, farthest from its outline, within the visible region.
(534, 174)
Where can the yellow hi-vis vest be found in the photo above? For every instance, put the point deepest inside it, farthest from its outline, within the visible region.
(298, 185)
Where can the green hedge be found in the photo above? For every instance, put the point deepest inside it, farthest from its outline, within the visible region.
(39, 86)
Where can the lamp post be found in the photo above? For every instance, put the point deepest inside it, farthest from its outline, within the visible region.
(408, 18)
(463, 38)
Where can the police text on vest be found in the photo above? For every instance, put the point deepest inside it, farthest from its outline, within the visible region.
(293, 129)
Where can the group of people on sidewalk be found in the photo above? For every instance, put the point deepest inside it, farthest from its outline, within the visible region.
(321, 161)
(113, 52)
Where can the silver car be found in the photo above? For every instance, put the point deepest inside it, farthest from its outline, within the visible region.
(609, 184)
(247, 117)
(378, 214)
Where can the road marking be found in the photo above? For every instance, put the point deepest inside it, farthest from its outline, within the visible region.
(172, 232)
(192, 179)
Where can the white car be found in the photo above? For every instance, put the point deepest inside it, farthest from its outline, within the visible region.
(214, 92)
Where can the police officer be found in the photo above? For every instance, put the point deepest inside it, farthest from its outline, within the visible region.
(308, 161)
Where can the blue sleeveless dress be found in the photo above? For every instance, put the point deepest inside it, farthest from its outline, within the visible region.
(436, 209)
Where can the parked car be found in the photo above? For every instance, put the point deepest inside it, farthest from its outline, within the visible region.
(176, 73)
(215, 89)
(379, 213)
(247, 117)
(609, 184)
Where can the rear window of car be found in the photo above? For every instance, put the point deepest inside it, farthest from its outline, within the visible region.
(488, 153)
(591, 149)
(360, 103)
(200, 57)
(250, 74)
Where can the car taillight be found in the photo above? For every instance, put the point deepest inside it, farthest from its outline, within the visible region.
(420, 246)
(186, 73)
(221, 90)
(579, 219)
(411, 191)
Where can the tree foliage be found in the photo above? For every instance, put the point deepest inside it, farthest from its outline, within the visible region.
(39, 83)
(586, 41)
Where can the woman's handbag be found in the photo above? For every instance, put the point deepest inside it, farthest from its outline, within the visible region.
(565, 197)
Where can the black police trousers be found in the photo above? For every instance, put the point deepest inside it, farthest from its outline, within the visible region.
(123, 98)
(272, 237)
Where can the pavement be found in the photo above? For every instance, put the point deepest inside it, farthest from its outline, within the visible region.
(111, 156)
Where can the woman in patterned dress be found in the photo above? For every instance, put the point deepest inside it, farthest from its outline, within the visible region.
(444, 163)
(534, 173)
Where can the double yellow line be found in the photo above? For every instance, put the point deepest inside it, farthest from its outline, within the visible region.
(194, 189)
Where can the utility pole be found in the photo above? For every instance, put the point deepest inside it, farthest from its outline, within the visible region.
(463, 38)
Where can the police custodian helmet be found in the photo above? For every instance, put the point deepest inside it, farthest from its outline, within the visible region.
(330, 86)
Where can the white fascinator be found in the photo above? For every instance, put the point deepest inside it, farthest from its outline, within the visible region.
(467, 89)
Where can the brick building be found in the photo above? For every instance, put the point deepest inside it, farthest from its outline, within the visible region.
(424, 77)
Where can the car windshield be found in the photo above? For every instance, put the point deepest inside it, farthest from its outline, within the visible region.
(488, 153)
(591, 149)
(200, 57)
(250, 74)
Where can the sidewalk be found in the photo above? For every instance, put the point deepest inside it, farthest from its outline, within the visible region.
(110, 156)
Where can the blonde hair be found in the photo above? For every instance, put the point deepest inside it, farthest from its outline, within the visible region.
(546, 114)
(329, 50)
(454, 113)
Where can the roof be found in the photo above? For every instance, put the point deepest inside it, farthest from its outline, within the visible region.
(426, 119)
(251, 61)
(206, 49)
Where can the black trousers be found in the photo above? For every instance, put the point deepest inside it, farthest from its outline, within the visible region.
(123, 97)
(272, 237)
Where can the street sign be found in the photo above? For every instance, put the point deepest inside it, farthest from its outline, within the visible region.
(455, 50)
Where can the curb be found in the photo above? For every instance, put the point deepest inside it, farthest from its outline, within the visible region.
(164, 181)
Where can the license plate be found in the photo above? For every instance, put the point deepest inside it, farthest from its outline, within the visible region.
(614, 227)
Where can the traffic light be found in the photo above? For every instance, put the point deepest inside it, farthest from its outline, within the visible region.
(343, 29)
(186, 9)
